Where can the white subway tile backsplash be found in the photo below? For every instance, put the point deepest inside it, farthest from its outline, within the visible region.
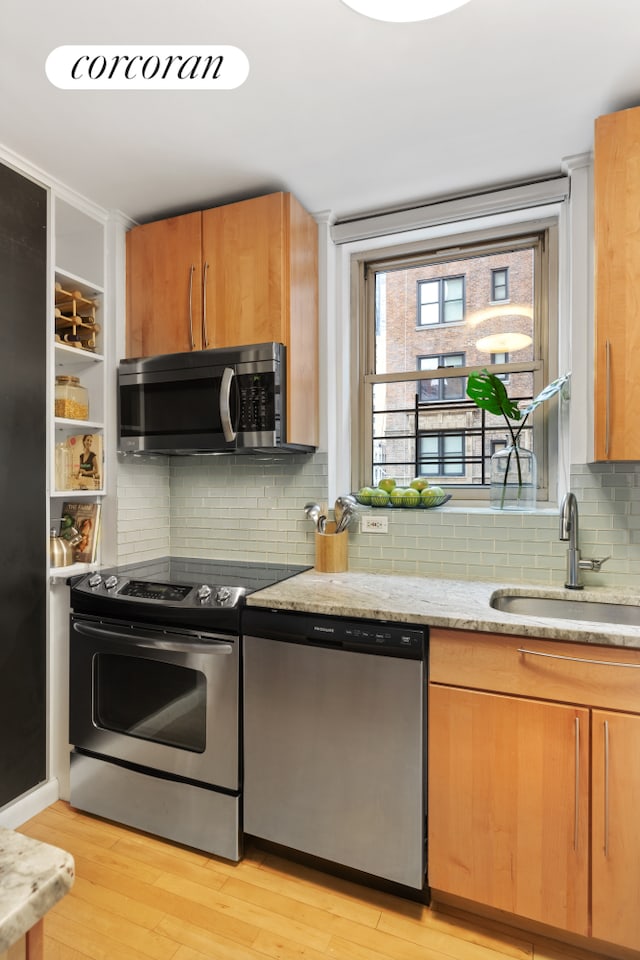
(241, 508)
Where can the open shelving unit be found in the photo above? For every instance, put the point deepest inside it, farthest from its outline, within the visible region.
(78, 312)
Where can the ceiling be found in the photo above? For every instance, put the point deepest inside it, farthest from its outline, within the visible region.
(350, 114)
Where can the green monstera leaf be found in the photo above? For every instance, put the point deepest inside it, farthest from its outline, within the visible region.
(488, 392)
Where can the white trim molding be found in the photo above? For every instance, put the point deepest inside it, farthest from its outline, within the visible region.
(540, 193)
(19, 811)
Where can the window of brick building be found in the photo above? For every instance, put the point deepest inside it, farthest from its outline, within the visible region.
(479, 305)
(500, 284)
(497, 358)
(441, 455)
(448, 388)
(440, 300)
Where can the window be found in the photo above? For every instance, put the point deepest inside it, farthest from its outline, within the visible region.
(498, 445)
(446, 389)
(441, 455)
(440, 301)
(500, 284)
(501, 358)
(416, 416)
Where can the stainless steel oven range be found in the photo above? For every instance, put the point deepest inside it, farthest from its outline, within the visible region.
(154, 708)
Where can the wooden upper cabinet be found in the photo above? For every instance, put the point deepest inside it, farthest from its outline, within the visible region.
(617, 285)
(260, 263)
(233, 275)
(164, 286)
(245, 259)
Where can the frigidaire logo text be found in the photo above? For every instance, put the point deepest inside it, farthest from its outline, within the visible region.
(146, 67)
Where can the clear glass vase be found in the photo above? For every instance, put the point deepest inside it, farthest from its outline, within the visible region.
(513, 479)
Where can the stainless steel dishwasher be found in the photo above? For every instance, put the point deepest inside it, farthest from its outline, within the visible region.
(334, 740)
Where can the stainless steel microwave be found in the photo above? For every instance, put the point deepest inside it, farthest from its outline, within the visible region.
(229, 400)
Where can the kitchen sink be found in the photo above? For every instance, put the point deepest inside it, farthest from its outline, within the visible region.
(568, 609)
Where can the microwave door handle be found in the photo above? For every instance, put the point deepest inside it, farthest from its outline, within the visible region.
(225, 404)
(154, 641)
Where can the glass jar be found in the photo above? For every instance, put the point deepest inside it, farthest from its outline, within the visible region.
(513, 479)
(71, 398)
(64, 466)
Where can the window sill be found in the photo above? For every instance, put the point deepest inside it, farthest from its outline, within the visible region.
(475, 506)
(466, 507)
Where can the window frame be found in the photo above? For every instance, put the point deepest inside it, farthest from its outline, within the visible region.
(441, 249)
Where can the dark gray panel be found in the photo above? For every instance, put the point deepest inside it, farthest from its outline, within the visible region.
(23, 301)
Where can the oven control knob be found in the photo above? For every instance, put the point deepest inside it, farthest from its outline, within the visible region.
(94, 580)
(111, 582)
(222, 594)
(203, 593)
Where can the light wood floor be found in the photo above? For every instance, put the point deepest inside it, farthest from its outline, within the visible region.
(139, 898)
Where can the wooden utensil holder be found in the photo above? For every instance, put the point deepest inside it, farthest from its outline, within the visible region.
(332, 550)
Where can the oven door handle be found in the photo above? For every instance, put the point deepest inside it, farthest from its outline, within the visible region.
(155, 641)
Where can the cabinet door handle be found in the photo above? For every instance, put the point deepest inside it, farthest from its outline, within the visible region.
(205, 337)
(576, 812)
(607, 409)
(559, 656)
(191, 273)
(606, 788)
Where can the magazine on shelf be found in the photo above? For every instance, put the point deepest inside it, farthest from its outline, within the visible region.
(80, 524)
(86, 461)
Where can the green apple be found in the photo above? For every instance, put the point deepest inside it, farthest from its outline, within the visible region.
(364, 494)
(411, 497)
(387, 483)
(431, 495)
(397, 495)
(380, 498)
(419, 483)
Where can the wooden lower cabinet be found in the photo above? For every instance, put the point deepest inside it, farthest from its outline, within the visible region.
(616, 828)
(28, 947)
(534, 780)
(508, 804)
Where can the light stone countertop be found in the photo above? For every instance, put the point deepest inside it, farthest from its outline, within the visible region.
(460, 604)
(33, 877)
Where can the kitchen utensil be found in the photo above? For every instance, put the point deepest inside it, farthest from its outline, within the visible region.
(347, 515)
(312, 511)
(339, 508)
(322, 523)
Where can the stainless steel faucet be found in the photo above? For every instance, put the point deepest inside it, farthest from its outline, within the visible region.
(569, 531)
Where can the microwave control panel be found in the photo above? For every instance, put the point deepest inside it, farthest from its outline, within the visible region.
(258, 401)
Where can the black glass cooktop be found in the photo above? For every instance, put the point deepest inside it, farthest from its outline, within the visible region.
(251, 576)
